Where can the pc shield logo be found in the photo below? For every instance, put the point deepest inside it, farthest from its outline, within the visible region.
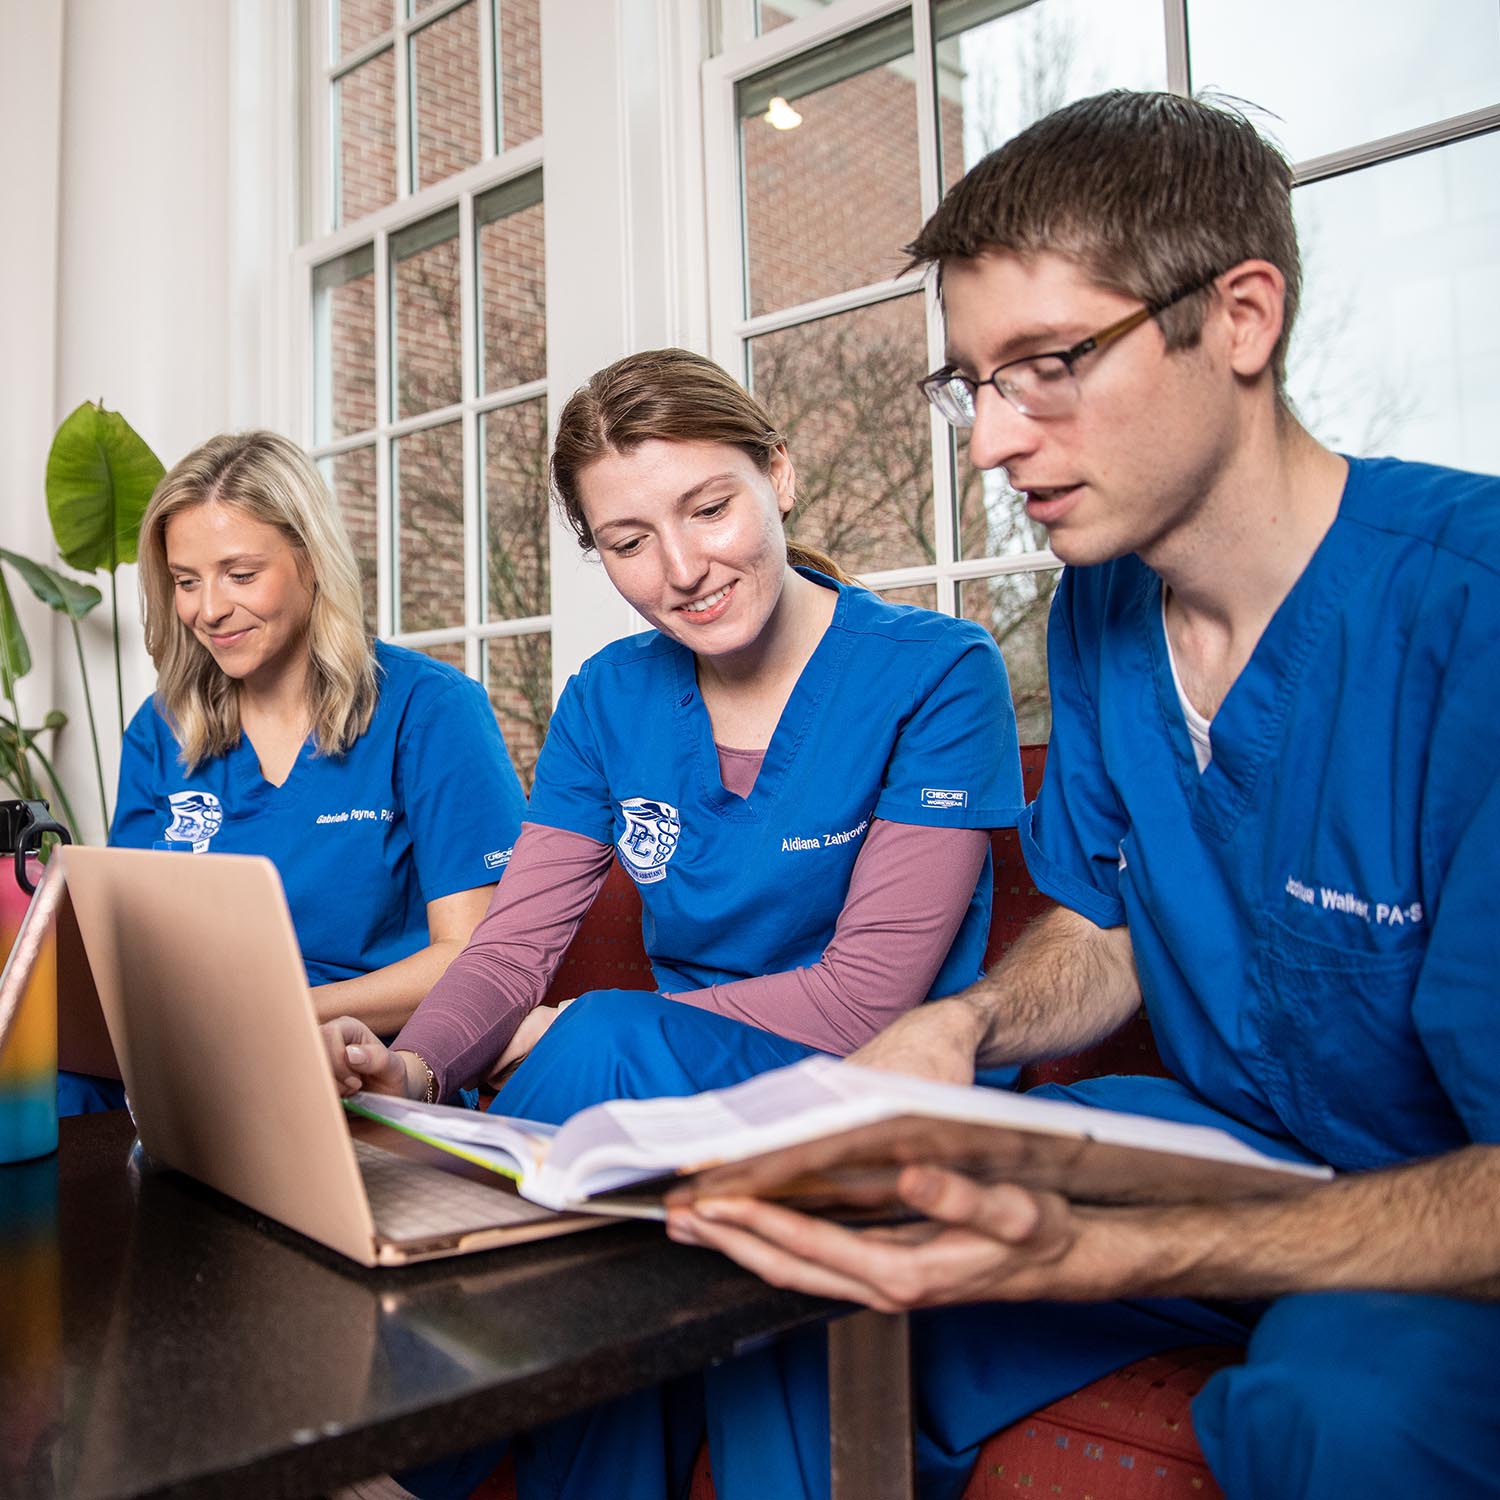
(196, 818)
(652, 830)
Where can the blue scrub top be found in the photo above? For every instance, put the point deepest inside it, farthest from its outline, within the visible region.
(900, 714)
(1310, 916)
(424, 804)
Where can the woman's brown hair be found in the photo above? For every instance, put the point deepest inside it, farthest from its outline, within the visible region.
(675, 396)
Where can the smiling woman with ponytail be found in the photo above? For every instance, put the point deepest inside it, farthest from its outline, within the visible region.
(799, 776)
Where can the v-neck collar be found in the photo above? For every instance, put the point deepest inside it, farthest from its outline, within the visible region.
(797, 716)
(1248, 727)
(247, 777)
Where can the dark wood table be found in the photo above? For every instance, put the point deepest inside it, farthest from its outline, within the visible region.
(157, 1339)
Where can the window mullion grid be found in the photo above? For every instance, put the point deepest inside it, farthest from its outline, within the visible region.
(517, 395)
(838, 19)
(492, 128)
(386, 531)
(406, 124)
(468, 309)
(724, 204)
(727, 247)
(318, 112)
(826, 307)
(317, 415)
(964, 571)
(944, 507)
(1389, 148)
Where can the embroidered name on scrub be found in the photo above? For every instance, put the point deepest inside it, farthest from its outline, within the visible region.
(827, 840)
(1381, 913)
(358, 815)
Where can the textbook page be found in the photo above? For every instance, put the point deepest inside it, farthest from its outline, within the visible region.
(824, 1132)
(514, 1148)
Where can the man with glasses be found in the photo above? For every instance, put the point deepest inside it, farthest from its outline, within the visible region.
(1271, 808)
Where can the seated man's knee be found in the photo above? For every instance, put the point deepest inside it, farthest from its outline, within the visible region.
(1355, 1393)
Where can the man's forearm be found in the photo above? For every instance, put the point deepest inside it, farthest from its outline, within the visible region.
(1431, 1227)
(1064, 984)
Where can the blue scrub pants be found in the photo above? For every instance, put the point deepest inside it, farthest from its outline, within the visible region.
(616, 1044)
(1341, 1394)
(84, 1094)
(1369, 1394)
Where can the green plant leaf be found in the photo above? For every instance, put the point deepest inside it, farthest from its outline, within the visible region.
(15, 654)
(100, 475)
(66, 595)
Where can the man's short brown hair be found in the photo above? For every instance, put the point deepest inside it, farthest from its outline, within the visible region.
(1147, 192)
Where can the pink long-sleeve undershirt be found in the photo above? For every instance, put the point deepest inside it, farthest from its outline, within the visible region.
(908, 893)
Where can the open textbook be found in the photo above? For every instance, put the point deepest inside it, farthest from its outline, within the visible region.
(828, 1135)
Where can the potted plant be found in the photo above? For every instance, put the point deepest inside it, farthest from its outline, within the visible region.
(100, 476)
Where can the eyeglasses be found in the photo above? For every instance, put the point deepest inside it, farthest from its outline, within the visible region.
(1038, 385)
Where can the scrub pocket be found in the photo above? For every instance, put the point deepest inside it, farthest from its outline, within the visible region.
(1339, 1056)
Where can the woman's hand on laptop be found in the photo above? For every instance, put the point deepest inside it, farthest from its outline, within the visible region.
(360, 1060)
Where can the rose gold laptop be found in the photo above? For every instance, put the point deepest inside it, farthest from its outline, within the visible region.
(201, 983)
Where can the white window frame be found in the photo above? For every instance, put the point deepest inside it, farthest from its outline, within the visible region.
(494, 169)
(625, 265)
(732, 331)
(743, 55)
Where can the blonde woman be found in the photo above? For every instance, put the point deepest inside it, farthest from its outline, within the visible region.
(374, 777)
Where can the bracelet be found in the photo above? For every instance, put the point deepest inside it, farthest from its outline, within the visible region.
(429, 1094)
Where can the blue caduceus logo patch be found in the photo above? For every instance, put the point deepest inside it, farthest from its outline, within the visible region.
(196, 818)
(652, 831)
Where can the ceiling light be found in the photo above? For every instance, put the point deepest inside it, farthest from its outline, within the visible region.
(781, 115)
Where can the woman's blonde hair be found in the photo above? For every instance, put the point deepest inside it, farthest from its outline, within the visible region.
(676, 396)
(270, 480)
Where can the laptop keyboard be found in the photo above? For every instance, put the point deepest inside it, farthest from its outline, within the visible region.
(410, 1201)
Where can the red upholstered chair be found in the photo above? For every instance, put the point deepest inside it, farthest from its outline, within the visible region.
(1127, 1436)
(606, 952)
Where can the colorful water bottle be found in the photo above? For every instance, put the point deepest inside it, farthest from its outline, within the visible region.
(28, 998)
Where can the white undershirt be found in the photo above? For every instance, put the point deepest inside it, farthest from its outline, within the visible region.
(1197, 725)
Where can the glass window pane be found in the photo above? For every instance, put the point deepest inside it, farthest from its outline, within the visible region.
(1397, 347)
(445, 92)
(519, 29)
(992, 519)
(1335, 75)
(364, 138)
(923, 595)
(1013, 608)
(355, 22)
(344, 345)
(518, 677)
(832, 195)
(517, 584)
(451, 652)
(512, 287)
(351, 476)
(425, 312)
(844, 391)
(428, 473)
(416, 7)
(1001, 65)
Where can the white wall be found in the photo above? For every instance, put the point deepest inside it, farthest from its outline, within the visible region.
(625, 263)
(144, 260)
(31, 41)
